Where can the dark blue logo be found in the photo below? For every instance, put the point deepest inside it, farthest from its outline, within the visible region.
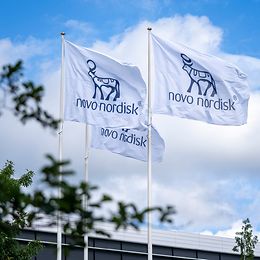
(100, 83)
(198, 76)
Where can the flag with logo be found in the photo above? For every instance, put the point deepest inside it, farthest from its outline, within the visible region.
(100, 90)
(131, 143)
(193, 85)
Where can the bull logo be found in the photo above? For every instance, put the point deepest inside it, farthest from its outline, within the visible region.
(198, 76)
(100, 83)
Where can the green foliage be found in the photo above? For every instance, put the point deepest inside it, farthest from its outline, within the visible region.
(19, 210)
(26, 97)
(245, 241)
(13, 216)
(11, 249)
(71, 205)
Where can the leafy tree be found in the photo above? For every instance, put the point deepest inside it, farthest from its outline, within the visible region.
(20, 209)
(245, 241)
(13, 215)
(71, 201)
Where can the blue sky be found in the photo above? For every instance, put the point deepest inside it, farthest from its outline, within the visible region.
(219, 183)
(45, 19)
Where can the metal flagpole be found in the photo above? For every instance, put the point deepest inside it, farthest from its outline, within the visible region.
(86, 179)
(149, 154)
(59, 230)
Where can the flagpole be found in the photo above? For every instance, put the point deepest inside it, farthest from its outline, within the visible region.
(86, 179)
(59, 229)
(149, 154)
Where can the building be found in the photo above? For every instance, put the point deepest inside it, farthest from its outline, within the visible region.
(130, 245)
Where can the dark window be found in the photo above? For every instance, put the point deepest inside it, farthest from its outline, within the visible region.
(134, 247)
(134, 257)
(105, 243)
(163, 258)
(229, 257)
(162, 250)
(208, 255)
(99, 255)
(184, 252)
(75, 253)
(48, 237)
(27, 234)
(48, 252)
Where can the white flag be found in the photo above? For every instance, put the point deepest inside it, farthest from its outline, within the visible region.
(100, 90)
(193, 85)
(128, 142)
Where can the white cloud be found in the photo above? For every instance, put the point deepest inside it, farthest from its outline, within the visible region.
(230, 232)
(209, 172)
(235, 227)
(82, 27)
(81, 32)
(11, 51)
